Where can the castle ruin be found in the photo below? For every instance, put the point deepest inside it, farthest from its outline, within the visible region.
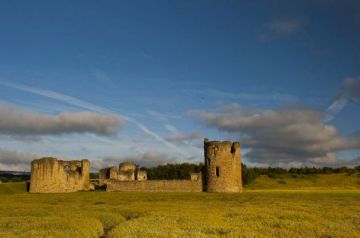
(221, 173)
(49, 175)
(127, 172)
(223, 166)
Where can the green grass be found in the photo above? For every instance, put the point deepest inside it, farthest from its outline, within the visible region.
(283, 213)
(321, 181)
(11, 188)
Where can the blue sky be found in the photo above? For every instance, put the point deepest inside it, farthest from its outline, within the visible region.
(172, 72)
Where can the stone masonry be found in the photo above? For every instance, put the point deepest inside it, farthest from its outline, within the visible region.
(221, 173)
(49, 175)
(127, 172)
(222, 166)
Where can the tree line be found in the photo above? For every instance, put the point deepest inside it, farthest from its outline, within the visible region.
(249, 174)
(172, 171)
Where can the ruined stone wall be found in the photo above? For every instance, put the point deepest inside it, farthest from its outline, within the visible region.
(222, 166)
(127, 171)
(155, 186)
(126, 175)
(107, 173)
(141, 175)
(49, 175)
(195, 176)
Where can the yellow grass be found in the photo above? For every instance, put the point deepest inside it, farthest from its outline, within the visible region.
(282, 213)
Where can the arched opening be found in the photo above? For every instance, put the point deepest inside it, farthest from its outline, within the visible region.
(208, 161)
(233, 150)
(217, 171)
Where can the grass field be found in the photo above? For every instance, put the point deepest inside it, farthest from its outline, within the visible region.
(322, 213)
(315, 181)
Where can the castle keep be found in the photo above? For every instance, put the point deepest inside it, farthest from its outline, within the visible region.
(49, 175)
(221, 173)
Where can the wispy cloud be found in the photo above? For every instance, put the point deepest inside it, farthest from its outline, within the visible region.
(102, 77)
(349, 93)
(180, 137)
(145, 55)
(161, 116)
(274, 96)
(280, 29)
(86, 105)
(56, 96)
(171, 128)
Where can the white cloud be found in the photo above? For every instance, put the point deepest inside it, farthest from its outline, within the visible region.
(89, 106)
(16, 161)
(14, 121)
(281, 136)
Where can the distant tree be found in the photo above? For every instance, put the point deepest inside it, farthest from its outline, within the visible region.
(357, 168)
(16, 179)
(172, 171)
(183, 171)
(341, 170)
(248, 174)
(4, 179)
(327, 170)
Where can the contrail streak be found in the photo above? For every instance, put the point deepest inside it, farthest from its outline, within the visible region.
(349, 94)
(337, 106)
(89, 106)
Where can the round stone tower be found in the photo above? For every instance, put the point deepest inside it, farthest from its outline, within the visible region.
(222, 166)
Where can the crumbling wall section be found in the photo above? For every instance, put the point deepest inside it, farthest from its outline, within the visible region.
(141, 175)
(49, 175)
(107, 173)
(127, 172)
(155, 186)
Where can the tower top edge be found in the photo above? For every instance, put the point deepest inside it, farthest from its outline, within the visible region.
(223, 143)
